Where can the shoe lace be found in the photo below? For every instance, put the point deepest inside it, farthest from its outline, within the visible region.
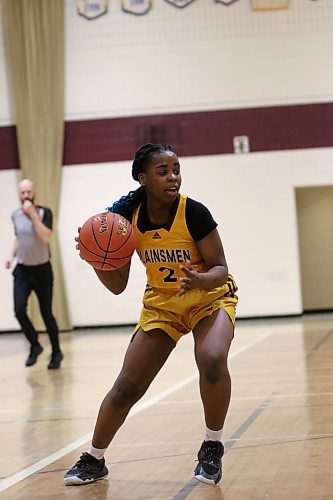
(83, 461)
(213, 453)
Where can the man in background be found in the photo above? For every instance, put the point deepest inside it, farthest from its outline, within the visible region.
(33, 271)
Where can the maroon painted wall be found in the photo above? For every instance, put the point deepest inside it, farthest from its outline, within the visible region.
(191, 134)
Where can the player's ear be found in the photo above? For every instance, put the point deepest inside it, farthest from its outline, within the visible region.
(141, 179)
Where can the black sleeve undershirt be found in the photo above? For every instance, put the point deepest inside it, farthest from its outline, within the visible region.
(199, 220)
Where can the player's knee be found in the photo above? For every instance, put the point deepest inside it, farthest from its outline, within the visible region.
(126, 392)
(215, 368)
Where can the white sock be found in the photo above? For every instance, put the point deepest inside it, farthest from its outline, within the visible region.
(96, 452)
(213, 435)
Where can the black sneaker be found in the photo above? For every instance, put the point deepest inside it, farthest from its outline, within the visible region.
(55, 360)
(35, 351)
(209, 468)
(86, 470)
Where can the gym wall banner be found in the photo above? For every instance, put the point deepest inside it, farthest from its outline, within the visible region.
(180, 3)
(137, 7)
(92, 9)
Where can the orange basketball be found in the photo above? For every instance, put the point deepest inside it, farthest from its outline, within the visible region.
(107, 241)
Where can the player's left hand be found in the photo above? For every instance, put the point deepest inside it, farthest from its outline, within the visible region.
(77, 246)
(190, 280)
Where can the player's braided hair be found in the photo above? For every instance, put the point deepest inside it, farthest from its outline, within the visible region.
(142, 157)
(140, 162)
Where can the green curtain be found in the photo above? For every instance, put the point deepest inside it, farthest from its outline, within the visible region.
(34, 46)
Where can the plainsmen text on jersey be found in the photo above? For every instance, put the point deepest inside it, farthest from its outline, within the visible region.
(163, 251)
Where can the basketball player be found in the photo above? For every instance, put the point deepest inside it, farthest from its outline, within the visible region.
(33, 271)
(188, 289)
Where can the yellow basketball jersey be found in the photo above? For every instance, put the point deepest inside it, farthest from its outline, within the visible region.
(163, 251)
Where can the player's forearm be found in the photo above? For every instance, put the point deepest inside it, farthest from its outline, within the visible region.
(214, 277)
(115, 281)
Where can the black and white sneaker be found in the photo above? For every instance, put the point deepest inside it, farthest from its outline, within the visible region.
(86, 470)
(209, 468)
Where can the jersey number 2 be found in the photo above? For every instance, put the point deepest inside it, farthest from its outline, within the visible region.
(169, 277)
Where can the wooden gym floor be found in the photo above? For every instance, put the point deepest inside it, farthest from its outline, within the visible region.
(278, 435)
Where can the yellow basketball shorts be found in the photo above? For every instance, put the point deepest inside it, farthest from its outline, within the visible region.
(177, 315)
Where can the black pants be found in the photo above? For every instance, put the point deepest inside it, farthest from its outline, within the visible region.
(40, 279)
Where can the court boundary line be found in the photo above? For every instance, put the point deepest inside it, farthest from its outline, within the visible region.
(28, 471)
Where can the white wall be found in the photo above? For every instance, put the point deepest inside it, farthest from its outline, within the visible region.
(203, 57)
(206, 56)
(9, 201)
(252, 198)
